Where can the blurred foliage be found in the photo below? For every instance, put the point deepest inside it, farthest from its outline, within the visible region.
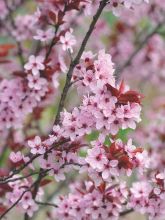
(123, 134)
(4, 156)
(110, 18)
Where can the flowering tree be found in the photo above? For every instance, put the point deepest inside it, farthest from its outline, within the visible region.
(66, 110)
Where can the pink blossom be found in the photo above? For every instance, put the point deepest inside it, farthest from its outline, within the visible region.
(36, 82)
(68, 41)
(35, 64)
(141, 189)
(96, 158)
(16, 157)
(44, 35)
(36, 146)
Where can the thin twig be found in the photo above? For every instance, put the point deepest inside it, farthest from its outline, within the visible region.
(52, 44)
(49, 198)
(46, 204)
(16, 171)
(17, 201)
(126, 212)
(22, 177)
(14, 204)
(75, 81)
(38, 181)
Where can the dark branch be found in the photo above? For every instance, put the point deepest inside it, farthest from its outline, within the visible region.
(31, 160)
(77, 59)
(14, 204)
(46, 204)
(126, 212)
(70, 72)
(22, 177)
(18, 200)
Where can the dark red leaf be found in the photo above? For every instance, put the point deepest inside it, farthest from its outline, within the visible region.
(125, 97)
(113, 90)
(130, 96)
(2, 208)
(45, 182)
(52, 17)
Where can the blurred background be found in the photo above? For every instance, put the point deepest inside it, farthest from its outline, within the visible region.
(136, 41)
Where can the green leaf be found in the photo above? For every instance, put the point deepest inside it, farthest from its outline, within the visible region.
(93, 136)
(110, 18)
(123, 134)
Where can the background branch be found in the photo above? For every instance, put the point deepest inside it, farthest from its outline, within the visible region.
(19, 46)
(126, 212)
(120, 69)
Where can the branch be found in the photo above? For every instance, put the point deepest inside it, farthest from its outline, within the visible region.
(70, 72)
(49, 198)
(17, 201)
(16, 171)
(120, 69)
(23, 177)
(31, 160)
(103, 3)
(52, 42)
(46, 204)
(14, 204)
(37, 185)
(126, 212)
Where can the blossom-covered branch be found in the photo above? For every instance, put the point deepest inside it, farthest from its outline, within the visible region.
(103, 3)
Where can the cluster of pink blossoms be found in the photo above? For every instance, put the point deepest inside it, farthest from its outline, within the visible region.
(85, 202)
(110, 163)
(105, 107)
(103, 164)
(20, 188)
(126, 37)
(25, 26)
(149, 198)
(18, 99)
(148, 195)
(117, 7)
